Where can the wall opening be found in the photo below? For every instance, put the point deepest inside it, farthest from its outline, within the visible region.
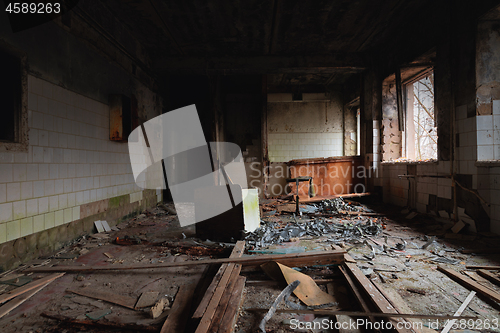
(11, 96)
(420, 133)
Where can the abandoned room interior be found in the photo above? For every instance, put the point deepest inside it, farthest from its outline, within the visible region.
(250, 166)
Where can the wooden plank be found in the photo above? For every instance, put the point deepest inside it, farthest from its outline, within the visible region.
(363, 314)
(179, 313)
(490, 276)
(224, 302)
(377, 298)
(231, 314)
(30, 286)
(236, 253)
(8, 307)
(471, 284)
(206, 320)
(461, 309)
(492, 268)
(291, 260)
(125, 301)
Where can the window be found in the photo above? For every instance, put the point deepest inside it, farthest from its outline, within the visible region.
(420, 134)
(13, 88)
(10, 95)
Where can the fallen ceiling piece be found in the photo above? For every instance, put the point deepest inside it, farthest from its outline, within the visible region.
(283, 295)
(307, 291)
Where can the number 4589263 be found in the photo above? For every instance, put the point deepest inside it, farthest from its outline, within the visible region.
(33, 8)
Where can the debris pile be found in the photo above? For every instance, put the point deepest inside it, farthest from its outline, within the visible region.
(337, 205)
(274, 233)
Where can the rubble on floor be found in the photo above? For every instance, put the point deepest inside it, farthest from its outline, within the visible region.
(341, 260)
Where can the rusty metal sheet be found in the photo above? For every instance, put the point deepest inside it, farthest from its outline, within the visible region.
(307, 291)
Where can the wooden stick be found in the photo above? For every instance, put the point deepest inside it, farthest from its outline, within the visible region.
(6, 308)
(461, 309)
(491, 268)
(490, 276)
(100, 323)
(363, 314)
(179, 313)
(231, 314)
(471, 284)
(291, 259)
(30, 286)
(236, 253)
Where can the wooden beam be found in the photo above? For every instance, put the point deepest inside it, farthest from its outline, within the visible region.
(363, 314)
(491, 268)
(30, 286)
(470, 284)
(490, 276)
(179, 313)
(292, 260)
(236, 253)
(231, 314)
(377, 298)
(270, 64)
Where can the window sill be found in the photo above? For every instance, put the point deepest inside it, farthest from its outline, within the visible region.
(488, 163)
(410, 162)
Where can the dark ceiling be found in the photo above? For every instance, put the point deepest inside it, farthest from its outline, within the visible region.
(296, 42)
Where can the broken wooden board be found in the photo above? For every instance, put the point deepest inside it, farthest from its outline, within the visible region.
(231, 314)
(236, 253)
(8, 307)
(307, 291)
(490, 276)
(292, 260)
(30, 286)
(179, 313)
(157, 309)
(470, 284)
(147, 299)
(125, 301)
(376, 297)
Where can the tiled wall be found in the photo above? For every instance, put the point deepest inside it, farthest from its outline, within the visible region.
(284, 147)
(488, 134)
(70, 162)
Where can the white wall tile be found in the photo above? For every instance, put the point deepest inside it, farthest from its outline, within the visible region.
(6, 174)
(5, 212)
(485, 153)
(484, 123)
(13, 230)
(26, 226)
(31, 207)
